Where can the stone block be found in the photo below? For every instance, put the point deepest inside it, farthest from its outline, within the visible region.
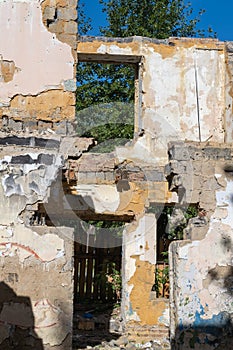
(49, 12)
(158, 192)
(60, 127)
(31, 125)
(207, 199)
(208, 168)
(217, 153)
(90, 177)
(44, 125)
(154, 175)
(100, 177)
(81, 177)
(70, 27)
(179, 152)
(15, 125)
(57, 27)
(69, 39)
(71, 128)
(67, 14)
(109, 176)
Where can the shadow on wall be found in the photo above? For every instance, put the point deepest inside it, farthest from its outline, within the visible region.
(16, 322)
(215, 333)
(94, 314)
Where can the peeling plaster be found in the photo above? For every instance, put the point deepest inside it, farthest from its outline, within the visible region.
(174, 74)
(50, 325)
(19, 182)
(112, 49)
(142, 281)
(37, 53)
(224, 201)
(24, 243)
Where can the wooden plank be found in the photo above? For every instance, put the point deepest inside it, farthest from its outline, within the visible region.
(82, 278)
(89, 279)
(76, 274)
(89, 262)
(103, 282)
(96, 271)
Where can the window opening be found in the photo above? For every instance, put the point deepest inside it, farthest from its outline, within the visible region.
(107, 100)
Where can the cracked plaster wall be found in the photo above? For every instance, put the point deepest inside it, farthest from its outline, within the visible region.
(142, 312)
(37, 87)
(37, 107)
(183, 89)
(34, 261)
(36, 68)
(201, 265)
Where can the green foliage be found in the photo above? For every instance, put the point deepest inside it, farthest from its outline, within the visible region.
(151, 18)
(163, 213)
(114, 228)
(105, 108)
(169, 234)
(161, 279)
(176, 233)
(112, 277)
(103, 83)
(108, 123)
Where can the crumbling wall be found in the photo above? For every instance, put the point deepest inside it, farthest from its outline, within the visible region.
(37, 73)
(144, 315)
(102, 188)
(182, 89)
(60, 17)
(37, 108)
(185, 94)
(36, 262)
(201, 265)
(229, 92)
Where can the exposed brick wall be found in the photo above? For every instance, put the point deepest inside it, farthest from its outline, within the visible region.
(60, 17)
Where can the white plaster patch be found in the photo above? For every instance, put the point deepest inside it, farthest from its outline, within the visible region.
(49, 322)
(165, 318)
(142, 240)
(114, 49)
(200, 258)
(225, 198)
(25, 242)
(102, 198)
(30, 180)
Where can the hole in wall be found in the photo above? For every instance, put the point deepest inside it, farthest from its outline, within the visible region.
(171, 222)
(97, 282)
(106, 102)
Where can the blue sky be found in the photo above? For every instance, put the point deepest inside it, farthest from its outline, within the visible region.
(218, 15)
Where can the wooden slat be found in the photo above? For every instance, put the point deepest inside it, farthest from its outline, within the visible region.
(82, 278)
(90, 262)
(96, 271)
(89, 280)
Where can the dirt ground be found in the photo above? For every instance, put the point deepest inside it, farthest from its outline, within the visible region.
(100, 326)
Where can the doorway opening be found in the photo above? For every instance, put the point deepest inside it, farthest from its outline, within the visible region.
(172, 219)
(97, 282)
(97, 257)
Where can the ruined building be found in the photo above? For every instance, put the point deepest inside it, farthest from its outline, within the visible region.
(181, 156)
